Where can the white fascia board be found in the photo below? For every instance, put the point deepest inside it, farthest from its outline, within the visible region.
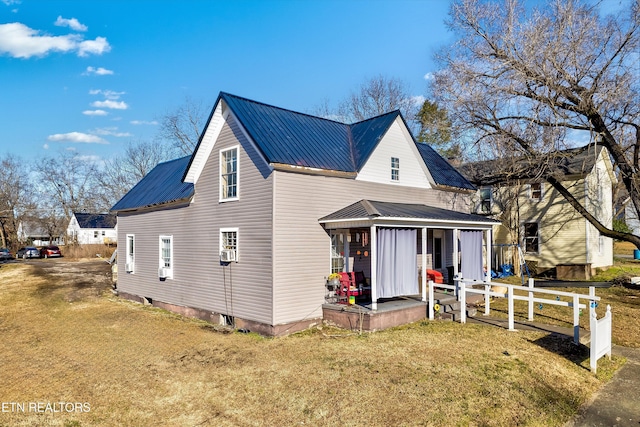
(211, 134)
(391, 221)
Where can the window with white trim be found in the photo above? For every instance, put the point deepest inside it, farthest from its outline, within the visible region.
(166, 257)
(531, 237)
(395, 169)
(229, 174)
(536, 191)
(229, 241)
(485, 200)
(130, 254)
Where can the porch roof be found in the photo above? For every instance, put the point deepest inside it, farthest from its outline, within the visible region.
(374, 211)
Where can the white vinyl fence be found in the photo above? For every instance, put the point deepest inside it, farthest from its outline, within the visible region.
(600, 329)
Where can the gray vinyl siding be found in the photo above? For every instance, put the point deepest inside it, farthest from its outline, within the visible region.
(302, 246)
(242, 289)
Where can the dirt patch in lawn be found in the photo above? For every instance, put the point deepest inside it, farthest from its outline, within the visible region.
(66, 339)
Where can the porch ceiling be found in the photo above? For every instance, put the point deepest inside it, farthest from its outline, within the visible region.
(374, 212)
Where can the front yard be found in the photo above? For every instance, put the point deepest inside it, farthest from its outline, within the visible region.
(67, 341)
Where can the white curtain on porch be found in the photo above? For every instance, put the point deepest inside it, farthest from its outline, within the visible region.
(471, 263)
(397, 272)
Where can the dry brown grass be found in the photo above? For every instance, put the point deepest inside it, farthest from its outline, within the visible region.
(66, 338)
(87, 251)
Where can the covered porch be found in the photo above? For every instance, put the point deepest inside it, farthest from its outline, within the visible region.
(390, 250)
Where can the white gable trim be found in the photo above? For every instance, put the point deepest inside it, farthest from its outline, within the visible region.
(398, 143)
(220, 117)
(205, 147)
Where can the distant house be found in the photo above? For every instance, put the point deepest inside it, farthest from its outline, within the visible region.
(32, 233)
(90, 228)
(535, 216)
(247, 230)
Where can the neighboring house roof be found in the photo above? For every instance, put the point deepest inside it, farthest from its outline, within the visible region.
(160, 186)
(573, 162)
(369, 209)
(89, 220)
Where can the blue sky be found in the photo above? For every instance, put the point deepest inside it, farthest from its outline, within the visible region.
(91, 76)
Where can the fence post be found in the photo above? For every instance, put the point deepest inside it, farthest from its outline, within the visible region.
(576, 319)
(431, 299)
(487, 299)
(511, 314)
(463, 303)
(592, 303)
(531, 285)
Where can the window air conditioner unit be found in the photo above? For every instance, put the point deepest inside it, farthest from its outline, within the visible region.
(163, 272)
(128, 267)
(228, 255)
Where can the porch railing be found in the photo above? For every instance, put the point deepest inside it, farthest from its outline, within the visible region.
(600, 329)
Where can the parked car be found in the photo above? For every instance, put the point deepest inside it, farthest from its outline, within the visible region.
(5, 254)
(50, 251)
(28, 252)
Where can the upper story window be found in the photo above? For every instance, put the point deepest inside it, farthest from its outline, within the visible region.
(229, 174)
(395, 169)
(536, 191)
(485, 200)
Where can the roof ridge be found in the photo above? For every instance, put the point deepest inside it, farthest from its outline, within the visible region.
(369, 207)
(377, 117)
(281, 108)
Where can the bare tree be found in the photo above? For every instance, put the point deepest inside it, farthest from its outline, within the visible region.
(121, 173)
(377, 96)
(16, 198)
(67, 184)
(182, 126)
(530, 81)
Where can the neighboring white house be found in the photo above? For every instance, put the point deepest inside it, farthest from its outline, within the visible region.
(89, 228)
(31, 233)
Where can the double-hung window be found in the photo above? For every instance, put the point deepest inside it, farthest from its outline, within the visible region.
(395, 169)
(229, 174)
(531, 237)
(130, 258)
(165, 269)
(229, 243)
(536, 191)
(485, 200)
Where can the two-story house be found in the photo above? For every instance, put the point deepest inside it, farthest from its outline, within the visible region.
(533, 215)
(247, 229)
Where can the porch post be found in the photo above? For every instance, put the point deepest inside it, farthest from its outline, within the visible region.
(424, 262)
(456, 261)
(346, 235)
(374, 267)
(489, 236)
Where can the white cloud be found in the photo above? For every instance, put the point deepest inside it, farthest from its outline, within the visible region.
(418, 100)
(72, 23)
(97, 71)
(109, 103)
(45, 146)
(143, 122)
(11, 2)
(95, 113)
(20, 41)
(98, 46)
(109, 94)
(113, 131)
(77, 137)
(429, 76)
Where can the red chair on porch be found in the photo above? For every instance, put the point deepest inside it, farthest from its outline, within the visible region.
(351, 285)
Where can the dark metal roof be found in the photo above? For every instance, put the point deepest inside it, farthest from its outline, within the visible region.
(370, 209)
(575, 161)
(441, 171)
(160, 186)
(292, 138)
(90, 220)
